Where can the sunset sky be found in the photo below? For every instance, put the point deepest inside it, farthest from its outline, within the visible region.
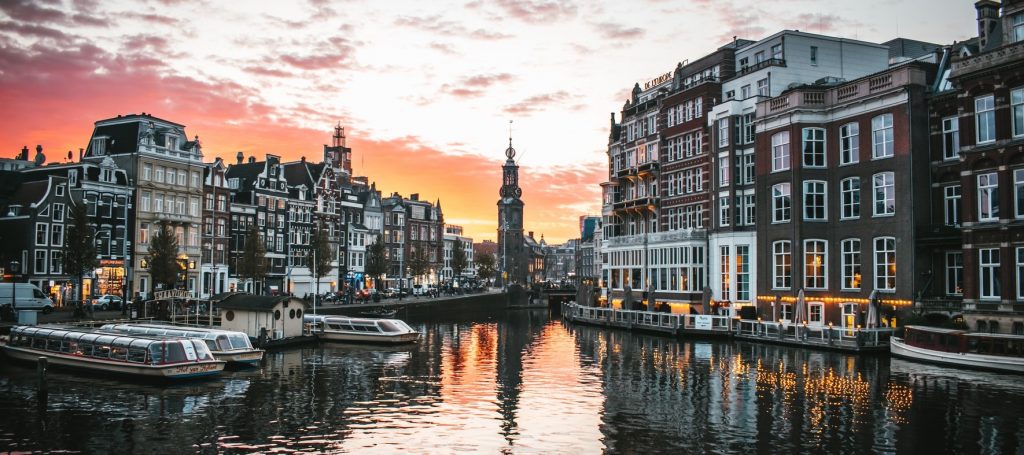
(425, 89)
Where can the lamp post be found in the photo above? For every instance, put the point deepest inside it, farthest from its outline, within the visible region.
(15, 269)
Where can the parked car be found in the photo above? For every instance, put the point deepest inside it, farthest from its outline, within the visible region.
(107, 302)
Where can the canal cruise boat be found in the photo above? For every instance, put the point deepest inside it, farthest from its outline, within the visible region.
(228, 345)
(113, 353)
(989, 351)
(342, 328)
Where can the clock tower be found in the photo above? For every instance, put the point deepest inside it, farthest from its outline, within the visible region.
(511, 261)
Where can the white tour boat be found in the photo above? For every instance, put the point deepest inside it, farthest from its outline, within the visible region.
(989, 351)
(343, 328)
(114, 353)
(228, 345)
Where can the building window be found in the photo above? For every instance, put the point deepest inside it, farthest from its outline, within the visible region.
(814, 55)
(951, 202)
(1020, 273)
(777, 52)
(1017, 111)
(1017, 32)
(849, 148)
(159, 174)
(724, 292)
(850, 192)
(885, 194)
(40, 264)
(781, 203)
(988, 197)
(42, 233)
(762, 87)
(780, 151)
(1018, 195)
(147, 171)
(950, 138)
(815, 264)
(723, 209)
(955, 272)
(885, 263)
(815, 313)
(745, 168)
(743, 273)
(144, 233)
(851, 264)
(56, 263)
(988, 262)
(57, 235)
(815, 201)
(881, 136)
(985, 119)
(99, 146)
(58, 210)
(723, 171)
(782, 265)
(723, 132)
(814, 147)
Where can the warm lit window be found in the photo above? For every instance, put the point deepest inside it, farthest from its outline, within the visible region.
(851, 264)
(885, 263)
(815, 264)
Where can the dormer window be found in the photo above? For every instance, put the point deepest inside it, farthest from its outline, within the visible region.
(73, 177)
(172, 142)
(107, 175)
(99, 146)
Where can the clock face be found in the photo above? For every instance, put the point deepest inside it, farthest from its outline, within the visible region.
(519, 192)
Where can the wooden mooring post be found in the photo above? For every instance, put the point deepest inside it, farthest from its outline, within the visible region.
(41, 370)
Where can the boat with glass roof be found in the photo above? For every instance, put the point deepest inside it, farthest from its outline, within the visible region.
(228, 345)
(100, 351)
(343, 328)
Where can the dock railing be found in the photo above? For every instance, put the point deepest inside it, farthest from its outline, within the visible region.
(646, 319)
(855, 337)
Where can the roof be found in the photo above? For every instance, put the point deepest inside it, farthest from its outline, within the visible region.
(925, 328)
(241, 301)
(903, 47)
(30, 193)
(120, 138)
(245, 171)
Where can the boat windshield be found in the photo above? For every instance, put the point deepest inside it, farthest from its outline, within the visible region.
(240, 341)
(393, 326)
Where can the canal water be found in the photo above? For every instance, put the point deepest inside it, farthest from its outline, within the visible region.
(521, 381)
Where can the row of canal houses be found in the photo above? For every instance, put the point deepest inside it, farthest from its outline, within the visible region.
(839, 168)
(139, 170)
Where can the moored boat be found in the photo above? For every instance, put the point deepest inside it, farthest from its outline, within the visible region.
(113, 353)
(342, 328)
(988, 351)
(227, 345)
(380, 313)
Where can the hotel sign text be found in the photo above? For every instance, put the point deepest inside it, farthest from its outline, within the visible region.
(658, 81)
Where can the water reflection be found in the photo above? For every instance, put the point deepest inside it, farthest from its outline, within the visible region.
(519, 382)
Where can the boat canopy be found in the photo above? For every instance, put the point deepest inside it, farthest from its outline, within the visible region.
(216, 339)
(110, 346)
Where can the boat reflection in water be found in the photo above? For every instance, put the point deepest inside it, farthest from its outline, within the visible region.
(519, 382)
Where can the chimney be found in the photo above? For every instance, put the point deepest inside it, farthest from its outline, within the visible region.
(24, 153)
(531, 234)
(239, 157)
(303, 159)
(988, 17)
(252, 159)
(81, 153)
(414, 196)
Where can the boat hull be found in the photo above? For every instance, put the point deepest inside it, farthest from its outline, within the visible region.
(976, 361)
(245, 358)
(352, 337)
(169, 372)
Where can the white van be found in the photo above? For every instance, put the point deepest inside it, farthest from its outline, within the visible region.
(26, 297)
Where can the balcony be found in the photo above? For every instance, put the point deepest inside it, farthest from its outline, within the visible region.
(638, 204)
(683, 235)
(819, 96)
(1011, 54)
(759, 66)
